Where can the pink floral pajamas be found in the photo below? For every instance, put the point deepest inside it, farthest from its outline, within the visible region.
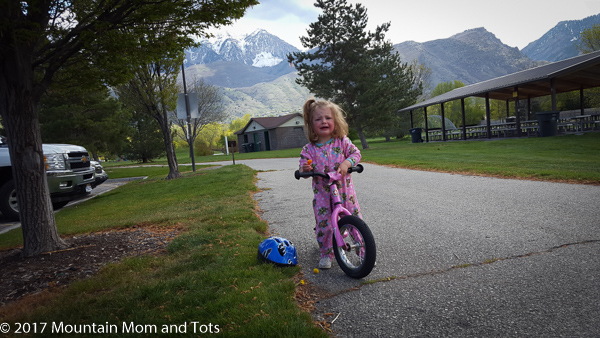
(326, 158)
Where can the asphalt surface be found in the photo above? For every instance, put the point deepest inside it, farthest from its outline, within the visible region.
(465, 255)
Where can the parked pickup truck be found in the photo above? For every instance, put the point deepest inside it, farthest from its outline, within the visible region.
(69, 171)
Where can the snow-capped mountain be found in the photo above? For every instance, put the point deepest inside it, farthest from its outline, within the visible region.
(258, 49)
(560, 42)
(255, 77)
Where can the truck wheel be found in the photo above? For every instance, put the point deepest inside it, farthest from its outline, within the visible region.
(9, 207)
(59, 205)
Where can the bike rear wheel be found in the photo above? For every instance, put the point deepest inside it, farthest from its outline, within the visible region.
(357, 257)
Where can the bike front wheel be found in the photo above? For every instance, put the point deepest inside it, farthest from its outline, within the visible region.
(357, 257)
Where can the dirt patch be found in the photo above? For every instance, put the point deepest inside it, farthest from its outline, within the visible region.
(306, 296)
(84, 257)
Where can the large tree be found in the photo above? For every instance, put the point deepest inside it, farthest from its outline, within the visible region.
(589, 39)
(393, 86)
(85, 114)
(211, 109)
(40, 37)
(146, 142)
(92, 119)
(355, 68)
(153, 91)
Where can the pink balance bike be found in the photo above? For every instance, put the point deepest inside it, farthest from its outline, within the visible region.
(353, 242)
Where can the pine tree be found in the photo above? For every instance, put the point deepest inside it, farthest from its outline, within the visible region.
(354, 68)
(89, 118)
(146, 141)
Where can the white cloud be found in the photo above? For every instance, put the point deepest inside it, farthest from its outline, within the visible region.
(285, 19)
(273, 10)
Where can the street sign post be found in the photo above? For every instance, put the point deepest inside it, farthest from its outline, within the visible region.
(189, 104)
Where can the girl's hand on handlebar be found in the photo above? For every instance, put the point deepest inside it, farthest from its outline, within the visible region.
(307, 166)
(343, 168)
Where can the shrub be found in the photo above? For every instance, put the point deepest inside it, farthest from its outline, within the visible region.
(202, 149)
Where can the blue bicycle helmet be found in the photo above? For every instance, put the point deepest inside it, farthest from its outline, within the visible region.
(278, 251)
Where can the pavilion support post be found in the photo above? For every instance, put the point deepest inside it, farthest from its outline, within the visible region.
(553, 94)
(464, 121)
(488, 115)
(426, 124)
(507, 108)
(411, 119)
(528, 108)
(581, 101)
(443, 122)
(517, 115)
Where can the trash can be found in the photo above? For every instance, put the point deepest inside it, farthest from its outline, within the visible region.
(547, 123)
(415, 135)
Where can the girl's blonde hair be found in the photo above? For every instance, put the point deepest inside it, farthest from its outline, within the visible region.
(341, 127)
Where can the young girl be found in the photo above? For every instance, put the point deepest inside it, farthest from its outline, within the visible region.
(329, 150)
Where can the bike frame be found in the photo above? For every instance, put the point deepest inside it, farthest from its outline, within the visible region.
(336, 201)
(338, 208)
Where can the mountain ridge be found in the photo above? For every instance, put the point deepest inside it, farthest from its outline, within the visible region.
(471, 56)
(560, 42)
(244, 66)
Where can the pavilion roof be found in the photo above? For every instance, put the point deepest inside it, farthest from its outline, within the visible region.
(580, 72)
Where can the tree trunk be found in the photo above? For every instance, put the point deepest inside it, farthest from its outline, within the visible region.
(169, 147)
(361, 135)
(18, 110)
(163, 119)
(171, 156)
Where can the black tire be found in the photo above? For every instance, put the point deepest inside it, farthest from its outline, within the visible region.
(58, 205)
(352, 262)
(9, 207)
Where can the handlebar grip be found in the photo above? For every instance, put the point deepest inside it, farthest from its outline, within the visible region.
(299, 174)
(358, 168)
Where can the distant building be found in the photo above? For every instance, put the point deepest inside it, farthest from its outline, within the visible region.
(272, 133)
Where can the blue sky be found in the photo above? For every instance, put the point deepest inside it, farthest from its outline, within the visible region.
(514, 22)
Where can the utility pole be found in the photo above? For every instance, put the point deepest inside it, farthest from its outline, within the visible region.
(189, 118)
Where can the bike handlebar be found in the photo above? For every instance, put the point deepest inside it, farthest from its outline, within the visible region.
(358, 169)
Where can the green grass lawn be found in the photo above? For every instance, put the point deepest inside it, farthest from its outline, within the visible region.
(564, 158)
(210, 274)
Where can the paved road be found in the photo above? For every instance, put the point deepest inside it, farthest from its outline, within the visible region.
(466, 255)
